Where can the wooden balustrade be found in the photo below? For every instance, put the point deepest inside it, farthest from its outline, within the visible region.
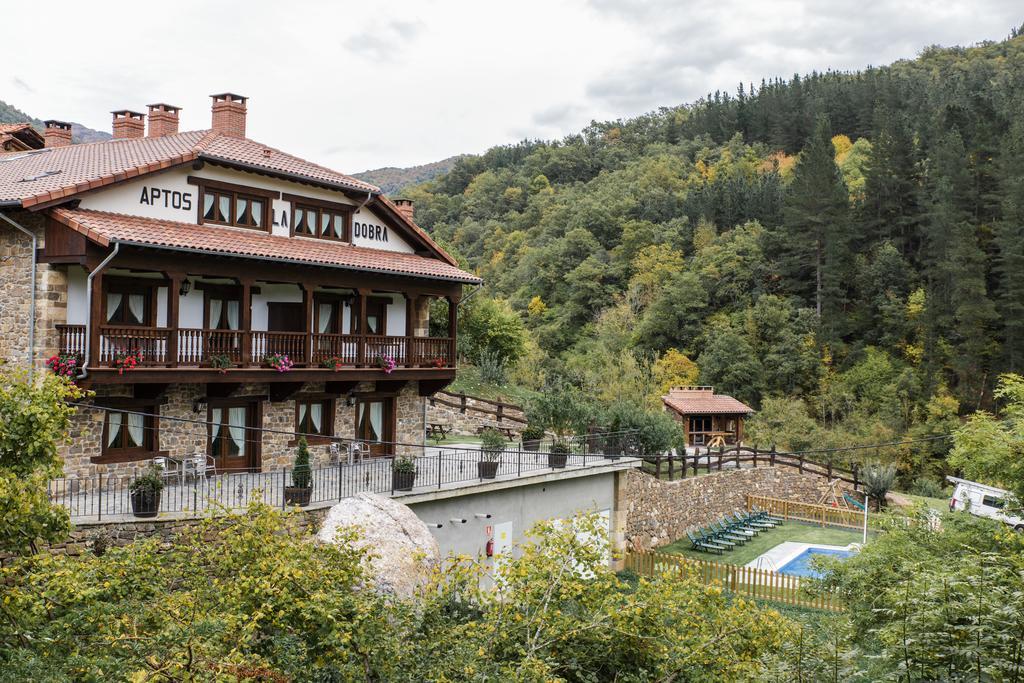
(196, 347)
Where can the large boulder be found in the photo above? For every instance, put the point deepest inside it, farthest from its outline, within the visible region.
(403, 552)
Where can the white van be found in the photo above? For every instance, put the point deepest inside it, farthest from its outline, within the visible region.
(982, 500)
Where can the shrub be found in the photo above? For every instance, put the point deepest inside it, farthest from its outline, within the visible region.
(533, 432)
(492, 444)
(878, 479)
(149, 482)
(404, 464)
(302, 475)
(491, 366)
(927, 487)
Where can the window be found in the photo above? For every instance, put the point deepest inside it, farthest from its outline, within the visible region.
(376, 316)
(375, 423)
(327, 309)
(993, 502)
(129, 435)
(242, 206)
(314, 418)
(128, 303)
(230, 208)
(322, 222)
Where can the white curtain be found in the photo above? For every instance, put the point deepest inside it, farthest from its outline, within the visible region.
(324, 317)
(236, 425)
(316, 414)
(135, 305)
(215, 307)
(377, 420)
(303, 409)
(225, 208)
(135, 427)
(113, 426)
(215, 419)
(232, 315)
(113, 302)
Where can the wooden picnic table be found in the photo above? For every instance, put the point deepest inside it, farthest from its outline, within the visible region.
(507, 431)
(438, 430)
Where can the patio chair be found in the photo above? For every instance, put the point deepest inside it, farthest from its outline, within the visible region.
(200, 465)
(753, 520)
(704, 546)
(738, 523)
(708, 536)
(168, 468)
(724, 532)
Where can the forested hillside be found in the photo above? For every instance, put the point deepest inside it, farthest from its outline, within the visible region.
(392, 179)
(845, 251)
(79, 133)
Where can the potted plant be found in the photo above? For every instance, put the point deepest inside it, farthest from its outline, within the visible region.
(335, 363)
(403, 473)
(279, 361)
(145, 493)
(532, 436)
(386, 363)
(64, 364)
(301, 489)
(558, 456)
(127, 360)
(492, 445)
(221, 362)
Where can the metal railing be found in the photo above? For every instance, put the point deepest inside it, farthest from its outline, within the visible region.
(105, 496)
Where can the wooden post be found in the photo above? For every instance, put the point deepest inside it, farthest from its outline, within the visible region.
(671, 467)
(462, 399)
(307, 306)
(856, 479)
(245, 324)
(755, 456)
(801, 463)
(174, 281)
(721, 451)
(361, 343)
(657, 471)
(96, 319)
(772, 456)
(410, 330)
(453, 324)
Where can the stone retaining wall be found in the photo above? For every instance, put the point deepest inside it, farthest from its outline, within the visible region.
(470, 422)
(659, 512)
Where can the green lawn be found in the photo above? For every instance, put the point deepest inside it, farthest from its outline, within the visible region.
(454, 439)
(766, 540)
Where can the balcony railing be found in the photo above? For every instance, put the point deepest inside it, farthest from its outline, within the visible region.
(249, 348)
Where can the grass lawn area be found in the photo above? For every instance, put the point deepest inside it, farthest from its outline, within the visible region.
(468, 380)
(454, 439)
(766, 540)
(939, 504)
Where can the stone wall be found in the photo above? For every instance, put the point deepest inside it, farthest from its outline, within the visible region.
(187, 435)
(470, 422)
(15, 294)
(659, 512)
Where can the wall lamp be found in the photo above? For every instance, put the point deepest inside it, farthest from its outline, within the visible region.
(186, 287)
(482, 515)
(456, 520)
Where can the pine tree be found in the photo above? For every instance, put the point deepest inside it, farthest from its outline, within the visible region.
(960, 311)
(891, 211)
(1009, 240)
(815, 239)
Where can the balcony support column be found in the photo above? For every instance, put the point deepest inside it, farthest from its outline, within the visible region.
(307, 306)
(364, 294)
(174, 281)
(453, 321)
(245, 324)
(410, 330)
(97, 318)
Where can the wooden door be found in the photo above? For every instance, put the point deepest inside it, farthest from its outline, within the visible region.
(375, 424)
(232, 437)
(286, 317)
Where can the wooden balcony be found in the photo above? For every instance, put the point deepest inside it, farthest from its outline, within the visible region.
(235, 355)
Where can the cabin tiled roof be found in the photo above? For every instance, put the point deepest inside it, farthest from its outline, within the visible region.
(46, 175)
(703, 401)
(18, 132)
(107, 228)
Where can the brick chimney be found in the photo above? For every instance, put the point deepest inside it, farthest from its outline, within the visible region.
(163, 119)
(56, 133)
(229, 114)
(128, 124)
(405, 208)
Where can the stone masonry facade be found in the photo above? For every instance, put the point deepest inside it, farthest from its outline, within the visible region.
(187, 435)
(659, 512)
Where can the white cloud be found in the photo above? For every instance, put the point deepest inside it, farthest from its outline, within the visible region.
(361, 85)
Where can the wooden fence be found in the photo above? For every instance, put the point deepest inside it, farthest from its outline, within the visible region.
(460, 402)
(715, 460)
(825, 515)
(761, 584)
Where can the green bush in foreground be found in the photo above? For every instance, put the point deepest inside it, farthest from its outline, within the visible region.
(244, 598)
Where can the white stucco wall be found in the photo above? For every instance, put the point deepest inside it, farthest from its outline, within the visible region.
(78, 304)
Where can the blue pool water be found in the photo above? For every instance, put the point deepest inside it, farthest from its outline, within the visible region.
(801, 564)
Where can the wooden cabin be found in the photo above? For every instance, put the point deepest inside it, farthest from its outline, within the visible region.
(709, 419)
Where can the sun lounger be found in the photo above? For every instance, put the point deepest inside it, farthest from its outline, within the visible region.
(706, 547)
(710, 536)
(752, 520)
(724, 532)
(766, 514)
(738, 523)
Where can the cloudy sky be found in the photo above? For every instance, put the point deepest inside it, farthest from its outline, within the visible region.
(362, 85)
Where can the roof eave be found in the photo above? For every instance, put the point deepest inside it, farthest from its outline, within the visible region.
(296, 177)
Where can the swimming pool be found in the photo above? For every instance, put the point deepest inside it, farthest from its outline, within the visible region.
(801, 564)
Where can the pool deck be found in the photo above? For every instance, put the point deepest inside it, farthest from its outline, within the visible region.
(780, 555)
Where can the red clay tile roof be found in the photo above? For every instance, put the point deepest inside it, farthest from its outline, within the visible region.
(106, 228)
(30, 178)
(13, 127)
(703, 403)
